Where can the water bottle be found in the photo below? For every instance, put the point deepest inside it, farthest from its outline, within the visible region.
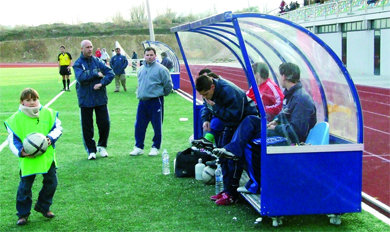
(218, 179)
(199, 169)
(165, 163)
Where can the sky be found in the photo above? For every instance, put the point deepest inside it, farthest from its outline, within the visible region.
(37, 12)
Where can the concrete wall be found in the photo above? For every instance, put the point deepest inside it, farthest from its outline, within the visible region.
(385, 52)
(333, 40)
(360, 52)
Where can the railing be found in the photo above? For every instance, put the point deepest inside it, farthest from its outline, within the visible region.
(333, 9)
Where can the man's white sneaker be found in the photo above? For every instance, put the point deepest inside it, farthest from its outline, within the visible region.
(136, 151)
(153, 151)
(92, 156)
(102, 151)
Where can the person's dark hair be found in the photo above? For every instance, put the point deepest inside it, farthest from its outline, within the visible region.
(164, 54)
(29, 93)
(291, 71)
(203, 83)
(62, 46)
(262, 69)
(203, 71)
(150, 49)
(208, 72)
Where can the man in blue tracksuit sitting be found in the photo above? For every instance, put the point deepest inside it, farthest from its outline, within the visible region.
(119, 63)
(229, 103)
(92, 76)
(154, 82)
(166, 61)
(290, 126)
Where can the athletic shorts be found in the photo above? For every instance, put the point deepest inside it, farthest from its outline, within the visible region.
(64, 70)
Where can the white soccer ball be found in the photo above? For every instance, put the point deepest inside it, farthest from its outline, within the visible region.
(208, 175)
(35, 144)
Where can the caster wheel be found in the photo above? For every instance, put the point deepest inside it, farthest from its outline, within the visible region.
(258, 220)
(334, 219)
(277, 221)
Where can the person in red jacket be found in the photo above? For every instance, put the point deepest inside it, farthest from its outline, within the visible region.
(98, 53)
(271, 95)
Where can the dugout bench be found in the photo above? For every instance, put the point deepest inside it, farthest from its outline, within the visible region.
(295, 180)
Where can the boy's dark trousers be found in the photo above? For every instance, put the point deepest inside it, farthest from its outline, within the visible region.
(103, 124)
(24, 195)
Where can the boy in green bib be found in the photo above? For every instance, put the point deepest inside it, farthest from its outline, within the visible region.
(32, 117)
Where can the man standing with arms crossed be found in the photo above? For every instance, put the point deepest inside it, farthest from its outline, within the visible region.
(64, 65)
(92, 77)
(154, 82)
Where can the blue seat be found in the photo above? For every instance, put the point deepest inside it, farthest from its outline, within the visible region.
(319, 134)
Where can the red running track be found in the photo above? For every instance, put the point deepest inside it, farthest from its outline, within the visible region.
(376, 114)
(27, 65)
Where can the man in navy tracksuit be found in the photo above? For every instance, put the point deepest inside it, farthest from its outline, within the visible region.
(92, 76)
(227, 102)
(119, 63)
(154, 82)
(290, 126)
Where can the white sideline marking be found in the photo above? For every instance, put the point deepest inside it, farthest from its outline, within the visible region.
(378, 215)
(5, 143)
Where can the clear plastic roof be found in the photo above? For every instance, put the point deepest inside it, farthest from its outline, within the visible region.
(160, 48)
(230, 41)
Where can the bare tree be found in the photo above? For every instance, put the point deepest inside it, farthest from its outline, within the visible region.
(137, 14)
(118, 19)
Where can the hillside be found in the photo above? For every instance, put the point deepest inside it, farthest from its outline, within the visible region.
(46, 50)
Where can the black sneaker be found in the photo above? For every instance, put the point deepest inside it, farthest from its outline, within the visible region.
(203, 143)
(22, 221)
(223, 153)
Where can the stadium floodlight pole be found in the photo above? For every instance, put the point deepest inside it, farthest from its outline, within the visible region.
(151, 30)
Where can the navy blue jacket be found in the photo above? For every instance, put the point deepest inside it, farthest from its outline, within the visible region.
(298, 115)
(86, 72)
(119, 63)
(231, 104)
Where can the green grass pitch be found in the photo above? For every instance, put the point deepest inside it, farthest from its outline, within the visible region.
(123, 193)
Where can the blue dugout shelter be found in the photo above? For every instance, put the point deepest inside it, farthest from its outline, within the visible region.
(160, 48)
(295, 180)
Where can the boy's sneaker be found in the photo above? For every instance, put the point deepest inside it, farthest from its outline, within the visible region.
(223, 153)
(226, 199)
(92, 156)
(136, 151)
(153, 151)
(102, 151)
(22, 221)
(216, 197)
(203, 143)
